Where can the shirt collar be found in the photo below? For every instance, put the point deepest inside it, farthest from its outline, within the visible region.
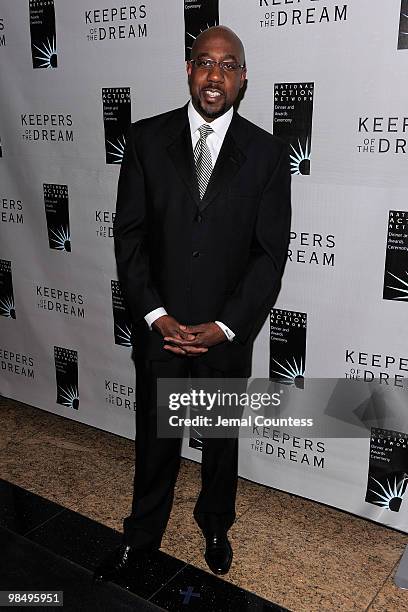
(219, 125)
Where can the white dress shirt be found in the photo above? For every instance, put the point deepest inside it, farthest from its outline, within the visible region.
(214, 142)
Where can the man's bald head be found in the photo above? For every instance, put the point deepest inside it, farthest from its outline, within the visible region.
(209, 37)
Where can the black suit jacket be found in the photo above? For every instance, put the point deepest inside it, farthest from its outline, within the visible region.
(220, 258)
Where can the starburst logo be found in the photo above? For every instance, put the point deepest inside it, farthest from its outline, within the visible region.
(7, 307)
(406, 17)
(123, 334)
(195, 433)
(390, 498)
(201, 30)
(117, 150)
(69, 396)
(48, 54)
(300, 159)
(403, 26)
(43, 34)
(291, 373)
(61, 239)
(403, 291)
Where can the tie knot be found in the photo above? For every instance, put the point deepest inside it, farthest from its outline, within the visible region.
(205, 130)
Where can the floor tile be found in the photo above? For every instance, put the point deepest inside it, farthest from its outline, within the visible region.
(64, 433)
(151, 573)
(87, 542)
(76, 538)
(390, 598)
(24, 565)
(63, 475)
(21, 422)
(22, 511)
(307, 556)
(17, 422)
(203, 592)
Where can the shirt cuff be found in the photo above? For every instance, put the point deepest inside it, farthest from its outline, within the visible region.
(230, 334)
(151, 316)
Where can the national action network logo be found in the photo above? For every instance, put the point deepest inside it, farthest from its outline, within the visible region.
(292, 121)
(57, 215)
(122, 327)
(116, 120)
(396, 265)
(66, 372)
(388, 469)
(287, 346)
(403, 26)
(43, 35)
(7, 308)
(198, 16)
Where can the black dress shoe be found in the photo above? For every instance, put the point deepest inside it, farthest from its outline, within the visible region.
(218, 552)
(117, 564)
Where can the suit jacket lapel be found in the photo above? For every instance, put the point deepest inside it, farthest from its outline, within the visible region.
(181, 152)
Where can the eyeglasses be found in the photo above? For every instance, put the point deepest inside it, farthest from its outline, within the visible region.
(209, 64)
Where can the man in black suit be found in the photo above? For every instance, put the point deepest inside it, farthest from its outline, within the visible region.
(201, 236)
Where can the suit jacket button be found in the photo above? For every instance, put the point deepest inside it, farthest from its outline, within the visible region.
(196, 253)
(199, 218)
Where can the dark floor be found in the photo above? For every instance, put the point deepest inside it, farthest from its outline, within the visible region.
(66, 488)
(47, 547)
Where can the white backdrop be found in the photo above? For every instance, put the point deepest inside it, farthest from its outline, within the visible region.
(57, 267)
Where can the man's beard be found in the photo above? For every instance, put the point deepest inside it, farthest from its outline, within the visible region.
(211, 114)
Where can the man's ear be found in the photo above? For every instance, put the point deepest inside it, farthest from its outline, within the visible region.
(243, 78)
(188, 68)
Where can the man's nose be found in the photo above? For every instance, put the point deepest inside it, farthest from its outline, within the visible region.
(215, 74)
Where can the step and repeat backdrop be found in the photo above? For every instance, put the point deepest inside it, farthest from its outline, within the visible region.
(327, 76)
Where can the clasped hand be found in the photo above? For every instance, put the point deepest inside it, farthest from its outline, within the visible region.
(188, 340)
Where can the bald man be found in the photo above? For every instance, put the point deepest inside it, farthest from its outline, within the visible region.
(201, 236)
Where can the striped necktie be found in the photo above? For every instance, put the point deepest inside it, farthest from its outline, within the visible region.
(202, 159)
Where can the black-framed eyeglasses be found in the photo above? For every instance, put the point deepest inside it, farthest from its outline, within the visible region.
(209, 64)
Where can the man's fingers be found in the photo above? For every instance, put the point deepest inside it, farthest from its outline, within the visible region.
(184, 332)
(173, 340)
(195, 350)
(186, 348)
(176, 332)
(174, 349)
(186, 336)
(193, 329)
(179, 351)
(180, 342)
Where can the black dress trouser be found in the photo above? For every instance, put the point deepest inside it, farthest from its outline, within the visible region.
(157, 461)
